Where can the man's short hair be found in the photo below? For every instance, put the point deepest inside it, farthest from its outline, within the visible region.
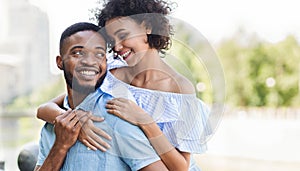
(77, 27)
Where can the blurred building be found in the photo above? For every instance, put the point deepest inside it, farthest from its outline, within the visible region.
(24, 48)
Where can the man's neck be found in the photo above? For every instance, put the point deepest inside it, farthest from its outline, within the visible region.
(75, 98)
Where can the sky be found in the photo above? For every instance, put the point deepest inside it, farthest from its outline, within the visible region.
(270, 20)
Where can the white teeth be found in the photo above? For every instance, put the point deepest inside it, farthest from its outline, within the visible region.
(125, 54)
(89, 73)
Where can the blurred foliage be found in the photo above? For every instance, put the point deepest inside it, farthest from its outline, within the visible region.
(247, 68)
(187, 55)
(187, 64)
(38, 96)
(248, 63)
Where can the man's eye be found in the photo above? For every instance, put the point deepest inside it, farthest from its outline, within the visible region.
(78, 53)
(100, 55)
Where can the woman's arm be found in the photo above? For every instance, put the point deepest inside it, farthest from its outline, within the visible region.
(173, 159)
(50, 110)
(131, 112)
(90, 135)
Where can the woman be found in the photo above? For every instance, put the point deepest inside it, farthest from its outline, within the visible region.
(140, 32)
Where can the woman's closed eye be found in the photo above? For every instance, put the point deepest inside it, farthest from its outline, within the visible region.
(122, 36)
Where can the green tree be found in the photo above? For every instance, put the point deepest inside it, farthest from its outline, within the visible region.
(249, 70)
(38, 96)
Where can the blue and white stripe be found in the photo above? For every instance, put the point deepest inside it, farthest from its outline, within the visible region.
(183, 118)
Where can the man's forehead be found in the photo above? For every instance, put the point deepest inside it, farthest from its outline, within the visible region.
(87, 35)
(84, 39)
(87, 38)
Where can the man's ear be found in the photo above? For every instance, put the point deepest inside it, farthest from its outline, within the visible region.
(59, 62)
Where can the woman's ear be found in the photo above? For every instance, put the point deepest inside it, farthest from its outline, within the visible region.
(148, 31)
(59, 62)
(147, 28)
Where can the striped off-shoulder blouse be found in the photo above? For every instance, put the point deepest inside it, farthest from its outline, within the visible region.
(183, 118)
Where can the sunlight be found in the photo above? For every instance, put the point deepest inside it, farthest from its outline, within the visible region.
(271, 20)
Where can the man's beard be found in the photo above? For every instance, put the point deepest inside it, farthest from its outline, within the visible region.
(73, 83)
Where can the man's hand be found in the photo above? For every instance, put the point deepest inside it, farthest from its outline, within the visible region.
(90, 135)
(67, 128)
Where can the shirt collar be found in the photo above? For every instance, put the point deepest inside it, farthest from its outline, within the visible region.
(90, 96)
(66, 103)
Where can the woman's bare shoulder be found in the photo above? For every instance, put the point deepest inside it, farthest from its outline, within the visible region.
(185, 85)
(120, 73)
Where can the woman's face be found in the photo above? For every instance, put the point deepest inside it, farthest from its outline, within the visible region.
(130, 39)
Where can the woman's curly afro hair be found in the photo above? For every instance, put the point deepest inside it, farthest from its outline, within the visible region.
(152, 13)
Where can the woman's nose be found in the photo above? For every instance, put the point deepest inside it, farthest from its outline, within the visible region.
(118, 47)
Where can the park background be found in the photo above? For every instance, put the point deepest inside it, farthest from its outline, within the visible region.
(255, 42)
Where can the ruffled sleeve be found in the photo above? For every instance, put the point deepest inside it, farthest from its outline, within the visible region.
(182, 118)
(191, 130)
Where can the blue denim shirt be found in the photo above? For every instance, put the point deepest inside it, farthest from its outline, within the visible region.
(130, 148)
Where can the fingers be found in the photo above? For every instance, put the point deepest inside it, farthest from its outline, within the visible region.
(92, 136)
(102, 133)
(98, 142)
(61, 116)
(75, 122)
(67, 128)
(111, 106)
(97, 118)
(80, 113)
(115, 105)
(114, 112)
(117, 102)
(94, 142)
(83, 114)
(71, 118)
(68, 120)
(86, 143)
(113, 109)
(84, 119)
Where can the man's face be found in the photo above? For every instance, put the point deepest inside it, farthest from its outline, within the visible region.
(84, 61)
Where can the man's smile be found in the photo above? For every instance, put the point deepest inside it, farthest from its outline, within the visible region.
(87, 73)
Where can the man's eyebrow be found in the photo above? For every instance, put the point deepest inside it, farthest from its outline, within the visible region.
(100, 47)
(81, 47)
(75, 47)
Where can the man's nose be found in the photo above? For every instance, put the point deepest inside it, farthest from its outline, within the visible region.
(89, 59)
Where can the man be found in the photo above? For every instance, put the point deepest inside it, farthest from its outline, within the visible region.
(83, 61)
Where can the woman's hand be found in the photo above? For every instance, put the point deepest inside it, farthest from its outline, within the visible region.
(128, 111)
(90, 135)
